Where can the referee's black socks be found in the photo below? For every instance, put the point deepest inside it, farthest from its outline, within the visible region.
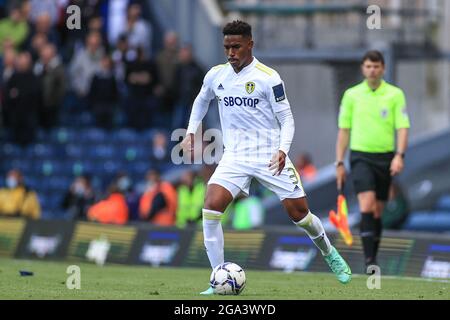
(367, 228)
(378, 228)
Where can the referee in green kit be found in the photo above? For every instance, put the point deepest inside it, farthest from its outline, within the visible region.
(371, 115)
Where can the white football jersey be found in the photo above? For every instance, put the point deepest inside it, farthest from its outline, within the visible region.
(247, 104)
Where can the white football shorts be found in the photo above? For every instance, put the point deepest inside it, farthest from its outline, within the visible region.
(236, 177)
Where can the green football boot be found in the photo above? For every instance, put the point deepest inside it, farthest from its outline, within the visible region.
(339, 267)
(208, 291)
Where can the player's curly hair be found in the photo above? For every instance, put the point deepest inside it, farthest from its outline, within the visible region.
(237, 28)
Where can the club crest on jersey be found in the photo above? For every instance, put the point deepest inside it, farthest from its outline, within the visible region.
(250, 87)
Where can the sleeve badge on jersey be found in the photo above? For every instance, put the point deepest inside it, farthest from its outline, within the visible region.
(278, 92)
(405, 112)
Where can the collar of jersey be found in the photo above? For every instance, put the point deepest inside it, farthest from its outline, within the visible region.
(379, 90)
(249, 67)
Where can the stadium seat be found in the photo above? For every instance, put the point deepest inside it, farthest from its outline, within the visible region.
(138, 168)
(81, 167)
(112, 167)
(46, 151)
(75, 151)
(135, 153)
(86, 119)
(63, 135)
(10, 150)
(125, 136)
(49, 167)
(101, 152)
(93, 135)
(443, 203)
(59, 183)
(22, 164)
(428, 221)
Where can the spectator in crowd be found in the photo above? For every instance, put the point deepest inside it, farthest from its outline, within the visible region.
(160, 153)
(248, 213)
(38, 41)
(115, 15)
(43, 25)
(142, 83)
(166, 61)
(50, 70)
(125, 185)
(15, 28)
(44, 7)
(79, 198)
(305, 167)
(18, 200)
(122, 55)
(8, 64)
(139, 32)
(7, 70)
(73, 40)
(23, 100)
(113, 209)
(191, 195)
(103, 94)
(189, 76)
(396, 211)
(85, 64)
(96, 24)
(158, 204)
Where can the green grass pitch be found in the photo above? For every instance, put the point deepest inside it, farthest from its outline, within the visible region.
(141, 282)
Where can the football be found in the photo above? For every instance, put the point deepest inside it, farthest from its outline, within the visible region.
(228, 279)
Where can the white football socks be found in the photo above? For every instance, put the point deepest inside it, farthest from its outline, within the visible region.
(213, 236)
(314, 228)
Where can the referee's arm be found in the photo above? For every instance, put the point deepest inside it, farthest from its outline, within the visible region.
(402, 126)
(343, 138)
(397, 163)
(342, 142)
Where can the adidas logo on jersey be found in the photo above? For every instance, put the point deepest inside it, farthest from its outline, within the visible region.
(220, 87)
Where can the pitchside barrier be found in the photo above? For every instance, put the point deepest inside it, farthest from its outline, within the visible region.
(272, 248)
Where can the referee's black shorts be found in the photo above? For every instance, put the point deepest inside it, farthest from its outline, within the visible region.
(371, 172)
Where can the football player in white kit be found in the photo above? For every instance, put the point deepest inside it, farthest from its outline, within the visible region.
(258, 128)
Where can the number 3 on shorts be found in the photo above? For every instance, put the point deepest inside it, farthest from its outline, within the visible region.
(294, 176)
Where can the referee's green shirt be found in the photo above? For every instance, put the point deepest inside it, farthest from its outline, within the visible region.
(373, 116)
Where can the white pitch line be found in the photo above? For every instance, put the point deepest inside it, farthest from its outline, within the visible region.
(405, 278)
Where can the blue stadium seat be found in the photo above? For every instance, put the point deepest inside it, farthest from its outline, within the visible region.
(93, 135)
(136, 153)
(428, 221)
(50, 201)
(42, 136)
(59, 183)
(75, 151)
(23, 164)
(443, 203)
(166, 167)
(125, 136)
(9, 150)
(49, 167)
(47, 151)
(102, 152)
(147, 135)
(138, 168)
(63, 135)
(112, 167)
(82, 167)
(86, 119)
